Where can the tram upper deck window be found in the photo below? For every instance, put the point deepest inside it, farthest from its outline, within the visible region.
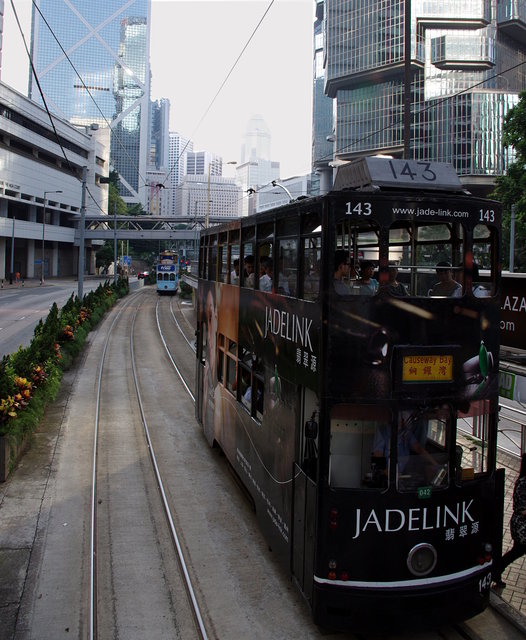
(287, 267)
(264, 280)
(311, 259)
(287, 233)
(212, 259)
(360, 242)
(484, 260)
(247, 270)
(428, 258)
(233, 255)
(222, 261)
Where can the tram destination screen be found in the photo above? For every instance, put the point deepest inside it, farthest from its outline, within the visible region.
(427, 367)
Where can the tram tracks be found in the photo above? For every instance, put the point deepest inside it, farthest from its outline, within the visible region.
(131, 545)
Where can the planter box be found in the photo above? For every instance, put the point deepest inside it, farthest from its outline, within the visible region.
(10, 454)
(4, 458)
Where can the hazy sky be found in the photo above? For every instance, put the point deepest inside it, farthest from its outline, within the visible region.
(194, 46)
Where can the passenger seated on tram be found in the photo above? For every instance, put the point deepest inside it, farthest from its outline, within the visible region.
(393, 287)
(249, 272)
(342, 265)
(368, 285)
(234, 274)
(446, 287)
(265, 274)
(413, 458)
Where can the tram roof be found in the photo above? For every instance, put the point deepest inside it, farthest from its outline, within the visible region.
(382, 173)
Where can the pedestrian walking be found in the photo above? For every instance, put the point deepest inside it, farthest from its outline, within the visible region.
(517, 523)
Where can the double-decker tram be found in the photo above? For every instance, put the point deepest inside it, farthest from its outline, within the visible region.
(167, 272)
(348, 370)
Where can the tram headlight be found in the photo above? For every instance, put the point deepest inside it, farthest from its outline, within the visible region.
(378, 347)
(422, 559)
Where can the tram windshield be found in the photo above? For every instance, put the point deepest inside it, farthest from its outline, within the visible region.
(361, 454)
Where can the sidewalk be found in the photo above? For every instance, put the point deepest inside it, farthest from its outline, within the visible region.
(515, 575)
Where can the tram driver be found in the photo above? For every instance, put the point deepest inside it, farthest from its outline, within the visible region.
(414, 461)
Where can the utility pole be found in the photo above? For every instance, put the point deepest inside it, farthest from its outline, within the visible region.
(82, 234)
(407, 79)
(115, 243)
(512, 239)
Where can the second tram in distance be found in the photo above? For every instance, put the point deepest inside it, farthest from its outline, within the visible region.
(167, 273)
(347, 365)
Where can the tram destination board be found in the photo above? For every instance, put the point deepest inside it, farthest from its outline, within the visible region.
(426, 367)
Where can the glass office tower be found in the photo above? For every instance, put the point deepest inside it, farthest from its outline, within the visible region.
(92, 63)
(466, 72)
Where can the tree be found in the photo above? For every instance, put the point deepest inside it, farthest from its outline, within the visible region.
(511, 188)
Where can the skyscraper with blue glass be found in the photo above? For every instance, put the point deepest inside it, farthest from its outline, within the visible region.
(466, 70)
(92, 63)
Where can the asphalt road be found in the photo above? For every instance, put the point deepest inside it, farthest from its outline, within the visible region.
(22, 307)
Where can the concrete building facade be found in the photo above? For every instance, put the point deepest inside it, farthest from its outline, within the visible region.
(41, 188)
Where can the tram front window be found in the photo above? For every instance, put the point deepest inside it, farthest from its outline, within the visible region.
(361, 455)
(353, 429)
(422, 458)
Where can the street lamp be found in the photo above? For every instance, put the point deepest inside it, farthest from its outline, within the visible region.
(44, 235)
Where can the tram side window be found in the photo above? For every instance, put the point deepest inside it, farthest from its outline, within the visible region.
(159, 276)
(484, 260)
(474, 429)
(427, 259)
(231, 367)
(265, 263)
(287, 267)
(247, 270)
(212, 261)
(353, 429)
(220, 357)
(222, 259)
(234, 265)
(251, 391)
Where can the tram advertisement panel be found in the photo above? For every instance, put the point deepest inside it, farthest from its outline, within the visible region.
(285, 330)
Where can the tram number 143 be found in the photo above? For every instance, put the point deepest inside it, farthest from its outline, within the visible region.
(485, 583)
(360, 209)
(487, 215)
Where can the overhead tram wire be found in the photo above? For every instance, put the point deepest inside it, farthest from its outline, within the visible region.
(221, 86)
(438, 102)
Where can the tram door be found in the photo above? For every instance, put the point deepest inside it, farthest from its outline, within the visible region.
(304, 530)
(305, 498)
(199, 376)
